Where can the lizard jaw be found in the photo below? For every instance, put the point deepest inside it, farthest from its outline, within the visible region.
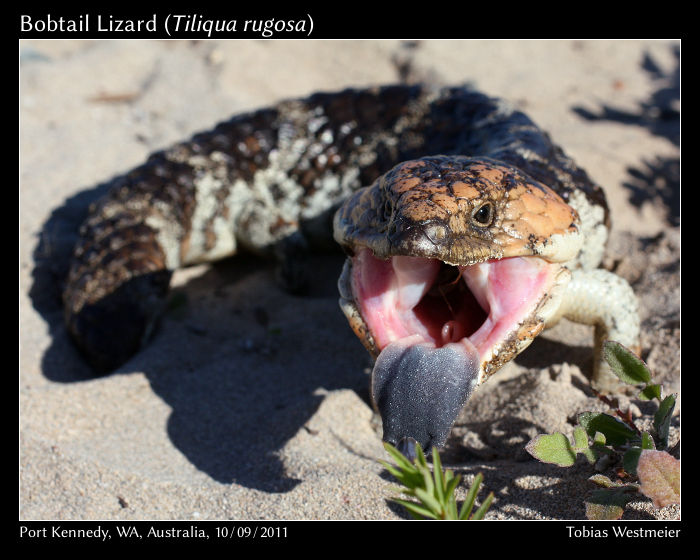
(439, 331)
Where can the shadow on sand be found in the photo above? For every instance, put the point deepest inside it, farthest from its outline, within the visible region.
(237, 359)
(656, 178)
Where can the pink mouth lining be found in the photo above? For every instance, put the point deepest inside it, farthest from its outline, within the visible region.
(398, 298)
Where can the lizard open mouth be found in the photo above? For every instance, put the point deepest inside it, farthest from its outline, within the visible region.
(457, 265)
(438, 330)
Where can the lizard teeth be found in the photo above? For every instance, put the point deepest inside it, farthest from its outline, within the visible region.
(477, 279)
(495, 303)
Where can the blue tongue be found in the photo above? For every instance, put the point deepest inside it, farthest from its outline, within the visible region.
(419, 389)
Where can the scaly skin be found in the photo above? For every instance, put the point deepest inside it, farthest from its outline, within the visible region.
(425, 208)
(495, 188)
(462, 212)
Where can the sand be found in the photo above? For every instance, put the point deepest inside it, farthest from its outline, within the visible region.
(250, 403)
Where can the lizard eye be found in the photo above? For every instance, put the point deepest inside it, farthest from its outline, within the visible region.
(483, 215)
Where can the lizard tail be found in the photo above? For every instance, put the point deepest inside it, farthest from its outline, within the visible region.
(120, 271)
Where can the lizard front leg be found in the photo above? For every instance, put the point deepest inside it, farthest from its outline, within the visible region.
(600, 298)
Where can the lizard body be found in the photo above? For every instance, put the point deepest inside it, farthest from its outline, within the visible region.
(428, 188)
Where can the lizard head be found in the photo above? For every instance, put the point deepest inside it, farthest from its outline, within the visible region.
(455, 266)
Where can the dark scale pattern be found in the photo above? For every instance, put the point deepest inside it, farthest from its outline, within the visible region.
(429, 207)
(260, 179)
(510, 137)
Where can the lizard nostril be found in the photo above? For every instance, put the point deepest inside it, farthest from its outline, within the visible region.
(436, 232)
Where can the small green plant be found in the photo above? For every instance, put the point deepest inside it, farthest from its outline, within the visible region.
(433, 490)
(646, 466)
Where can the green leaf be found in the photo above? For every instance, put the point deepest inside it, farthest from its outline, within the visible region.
(662, 419)
(396, 473)
(407, 478)
(452, 485)
(434, 488)
(400, 459)
(580, 438)
(420, 457)
(552, 448)
(581, 445)
(615, 431)
(416, 509)
(452, 508)
(400, 490)
(604, 481)
(650, 392)
(439, 476)
(660, 477)
(628, 367)
(483, 508)
(607, 503)
(590, 455)
(428, 483)
(471, 497)
(630, 459)
(647, 441)
(429, 500)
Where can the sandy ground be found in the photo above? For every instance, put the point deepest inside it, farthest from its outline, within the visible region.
(250, 403)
